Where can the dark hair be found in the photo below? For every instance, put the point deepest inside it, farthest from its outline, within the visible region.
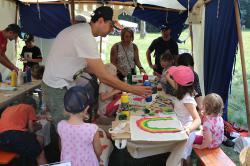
(126, 29)
(29, 39)
(13, 28)
(30, 101)
(183, 90)
(167, 56)
(185, 59)
(37, 72)
(105, 12)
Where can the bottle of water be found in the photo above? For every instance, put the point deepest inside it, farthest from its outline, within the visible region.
(149, 97)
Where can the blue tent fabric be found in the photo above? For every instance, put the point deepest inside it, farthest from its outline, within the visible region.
(185, 3)
(158, 17)
(219, 48)
(54, 18)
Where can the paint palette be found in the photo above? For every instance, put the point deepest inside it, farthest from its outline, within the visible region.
(158, 107)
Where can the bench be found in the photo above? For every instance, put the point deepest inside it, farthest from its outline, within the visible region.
(213, 157)
(6, 157)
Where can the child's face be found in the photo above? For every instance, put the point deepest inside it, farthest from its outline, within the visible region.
(165, 64)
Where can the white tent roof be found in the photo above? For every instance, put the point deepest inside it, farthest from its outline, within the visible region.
(171, 4)
(128, 24)
(37, 0)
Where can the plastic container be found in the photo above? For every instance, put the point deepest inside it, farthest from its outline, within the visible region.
(1, 79)
(124, 102)
(13, 78)
(28, 72)
(20, 78)
(149, 97)
(24, 77)
(154, 87)
(144, 78)
(129, 78)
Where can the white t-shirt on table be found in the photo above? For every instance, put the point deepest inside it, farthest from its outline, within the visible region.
(68, 53)
(181, 111)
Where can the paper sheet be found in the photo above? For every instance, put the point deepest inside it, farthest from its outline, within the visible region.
(166, 128)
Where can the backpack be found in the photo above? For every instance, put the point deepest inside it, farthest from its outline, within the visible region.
(90, 82)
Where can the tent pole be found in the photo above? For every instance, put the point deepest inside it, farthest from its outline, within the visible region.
(72, 5)
(16, 21)
(191, 37)
(237, 15)
(100, 46)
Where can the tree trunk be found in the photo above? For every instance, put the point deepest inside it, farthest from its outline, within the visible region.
(142, 29)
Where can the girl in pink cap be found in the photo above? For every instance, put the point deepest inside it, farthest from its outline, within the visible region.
(181, 78)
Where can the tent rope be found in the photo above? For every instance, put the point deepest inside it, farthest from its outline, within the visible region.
(38, 9)
(167, 17)
(218, 9)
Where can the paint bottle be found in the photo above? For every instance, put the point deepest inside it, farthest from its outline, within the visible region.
(1, 79)
(28, 72)
(24, 77)
(13, 77)
(124, 102)
(20, 78)
(129, 78)
(144, 78)
(149, 97)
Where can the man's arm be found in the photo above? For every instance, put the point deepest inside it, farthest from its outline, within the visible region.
(7, 63)
(97, 67)
(148, 54)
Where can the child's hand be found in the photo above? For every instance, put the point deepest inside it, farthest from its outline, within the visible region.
(187, 130)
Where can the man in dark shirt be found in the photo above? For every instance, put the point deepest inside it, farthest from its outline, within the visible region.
(159, 46)
(31, 54)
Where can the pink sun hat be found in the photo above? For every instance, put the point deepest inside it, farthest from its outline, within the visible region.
(182, 75)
